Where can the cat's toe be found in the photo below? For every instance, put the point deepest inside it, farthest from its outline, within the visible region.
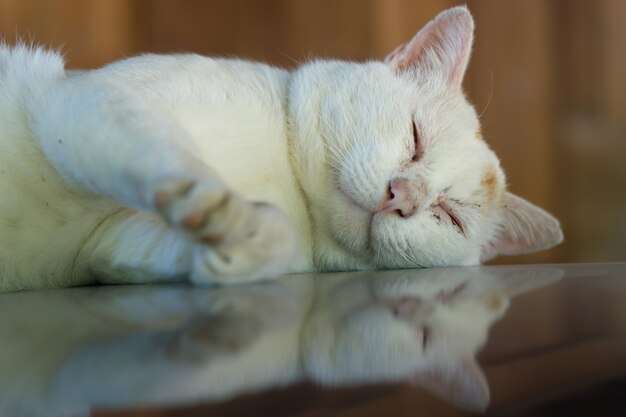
(265, 252)
(171, 190)
(240, 241)
(204, 209)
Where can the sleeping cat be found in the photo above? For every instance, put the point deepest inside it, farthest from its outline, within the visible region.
(162, 168)
(124, 346)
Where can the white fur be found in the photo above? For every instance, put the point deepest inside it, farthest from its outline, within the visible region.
(151, 168)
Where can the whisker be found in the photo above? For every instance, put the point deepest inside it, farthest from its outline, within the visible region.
(490, 95)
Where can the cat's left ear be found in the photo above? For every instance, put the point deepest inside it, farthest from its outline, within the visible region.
(524, 228)
(463, 384)
(441, 48)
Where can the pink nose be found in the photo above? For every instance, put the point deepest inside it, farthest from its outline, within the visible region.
(399, 199)
(409, 307)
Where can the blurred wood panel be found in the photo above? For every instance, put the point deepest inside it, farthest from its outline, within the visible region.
(396, 21)
(614, 60)
(592, 128)
(519, 106)
(510, 79)
(548, 77)
(90, 32)
(281, 32)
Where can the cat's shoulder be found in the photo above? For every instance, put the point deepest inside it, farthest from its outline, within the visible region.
(189, 63)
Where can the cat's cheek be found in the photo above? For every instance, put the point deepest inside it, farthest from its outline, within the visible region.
(419, 242)
(362, 187)
(349, 224)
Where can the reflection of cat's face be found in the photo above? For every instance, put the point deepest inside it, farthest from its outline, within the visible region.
(425, 329)
(424, 326)
(395, 327)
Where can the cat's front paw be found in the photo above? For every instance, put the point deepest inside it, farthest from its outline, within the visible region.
(205, 210)
(241, 241)
(265, 252)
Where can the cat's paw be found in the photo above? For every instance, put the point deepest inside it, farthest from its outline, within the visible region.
(204, 209)
(241, 241)
(265, 252)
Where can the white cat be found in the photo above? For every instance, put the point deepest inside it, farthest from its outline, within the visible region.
(125, 346)
(162, 168)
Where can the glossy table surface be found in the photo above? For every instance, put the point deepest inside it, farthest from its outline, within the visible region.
(502, 340)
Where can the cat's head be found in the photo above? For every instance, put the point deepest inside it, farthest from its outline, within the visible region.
(394, 164)
(423, 326)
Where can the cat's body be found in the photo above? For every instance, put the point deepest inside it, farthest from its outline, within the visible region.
(45, 221)
(144, 170)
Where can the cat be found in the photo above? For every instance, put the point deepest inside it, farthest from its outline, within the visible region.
(129, 346)
(218, 171)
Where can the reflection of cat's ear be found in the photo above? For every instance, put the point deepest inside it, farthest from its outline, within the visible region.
(515, 280)
(462, 384)
(443, 46)
(525, 228)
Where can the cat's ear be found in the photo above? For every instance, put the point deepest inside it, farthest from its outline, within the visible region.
(525, 228)
(463, 384)
(442, 47)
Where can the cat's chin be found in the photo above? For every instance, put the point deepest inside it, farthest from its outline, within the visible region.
(371, 234)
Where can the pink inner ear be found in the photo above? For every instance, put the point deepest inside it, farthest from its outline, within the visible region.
(441, 47)
(524, 228)
(411, 53)
(395, 54)
(461, 52)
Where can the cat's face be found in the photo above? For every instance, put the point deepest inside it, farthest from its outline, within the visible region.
(415, 185)
(408, 179)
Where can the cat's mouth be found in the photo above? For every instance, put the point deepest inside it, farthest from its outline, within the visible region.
(441, 210)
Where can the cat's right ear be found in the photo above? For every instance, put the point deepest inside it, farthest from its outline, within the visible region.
(524, 228)
(442, 48)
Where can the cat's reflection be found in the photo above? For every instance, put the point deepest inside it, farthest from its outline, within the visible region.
(65, 352)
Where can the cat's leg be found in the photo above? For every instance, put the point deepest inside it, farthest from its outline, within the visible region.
(138, 247)
(132, 247)
(110, 141)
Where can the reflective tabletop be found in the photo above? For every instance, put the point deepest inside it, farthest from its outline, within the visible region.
(545, 340)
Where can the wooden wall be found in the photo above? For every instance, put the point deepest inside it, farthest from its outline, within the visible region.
(548, 76)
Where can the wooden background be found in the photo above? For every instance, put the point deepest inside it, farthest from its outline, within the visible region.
(549, 77)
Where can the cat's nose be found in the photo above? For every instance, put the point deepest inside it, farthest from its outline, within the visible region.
(400, 198)
(409, 307)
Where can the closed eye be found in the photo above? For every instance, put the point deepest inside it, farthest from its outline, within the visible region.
(418, 150)
(442, 209)
(453, 218)
(455, 222)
